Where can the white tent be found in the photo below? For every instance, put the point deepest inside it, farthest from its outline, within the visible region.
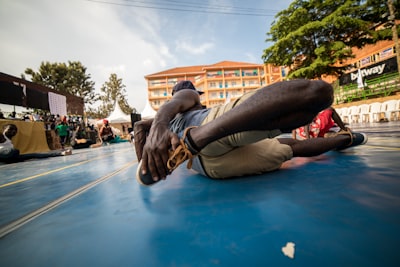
(118, 116)
(148, 112)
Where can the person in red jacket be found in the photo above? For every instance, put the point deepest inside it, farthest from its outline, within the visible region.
(321, 125)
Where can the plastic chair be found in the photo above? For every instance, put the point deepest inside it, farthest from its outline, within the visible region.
(345, 114)
(339, 111)
(375, 113)
(391, 109)
(354, 114)
(364, 112)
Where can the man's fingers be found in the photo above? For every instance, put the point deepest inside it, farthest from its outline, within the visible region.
(156, 165)
(153, 168)
(174, 141)
(144, 163)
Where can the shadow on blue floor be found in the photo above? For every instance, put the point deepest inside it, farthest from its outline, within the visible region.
(340, 209)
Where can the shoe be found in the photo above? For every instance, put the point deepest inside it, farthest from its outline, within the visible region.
(144, 179)
(356, 139)
(66, 152)
(182, 153)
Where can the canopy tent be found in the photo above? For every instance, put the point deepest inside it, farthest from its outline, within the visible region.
(118, 116)
(148, 112)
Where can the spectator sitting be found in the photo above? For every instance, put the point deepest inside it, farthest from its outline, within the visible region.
(79, 140)
(106, 133)
(12, 115)
(322, 124)
(9, 154)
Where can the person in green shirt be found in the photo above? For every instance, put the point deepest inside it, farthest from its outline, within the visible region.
(62, 131)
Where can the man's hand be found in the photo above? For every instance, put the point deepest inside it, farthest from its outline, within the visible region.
(156, 151)
(141, 129)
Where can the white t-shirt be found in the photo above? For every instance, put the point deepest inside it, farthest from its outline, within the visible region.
(7, 145)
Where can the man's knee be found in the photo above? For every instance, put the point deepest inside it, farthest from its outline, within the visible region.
(321, 93)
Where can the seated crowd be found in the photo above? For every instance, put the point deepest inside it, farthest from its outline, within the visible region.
(66, 132)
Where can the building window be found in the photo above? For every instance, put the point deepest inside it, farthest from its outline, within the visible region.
(172, 81)
(232, 73)
(157, 83)
(212, 85)
(365, 61)
(214, 74)
(386, 53)
(250, 73)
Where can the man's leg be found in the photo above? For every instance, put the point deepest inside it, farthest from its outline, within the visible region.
(43, 155)
(316, 146)
(284, 105)
(256, 158)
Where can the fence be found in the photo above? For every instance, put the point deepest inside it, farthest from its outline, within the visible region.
(382, 86)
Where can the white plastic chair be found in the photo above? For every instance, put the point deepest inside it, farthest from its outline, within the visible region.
(345, 114)
(391, 109)
(364, 112)
(354, 114)
(375, 112)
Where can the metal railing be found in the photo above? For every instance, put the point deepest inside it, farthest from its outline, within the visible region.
(385, 85)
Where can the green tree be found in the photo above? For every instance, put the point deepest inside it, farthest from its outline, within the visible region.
(311, 37)
(68, 78)
(96, 113)
(113, 91)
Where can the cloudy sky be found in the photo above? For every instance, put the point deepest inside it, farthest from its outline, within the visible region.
(132, 38)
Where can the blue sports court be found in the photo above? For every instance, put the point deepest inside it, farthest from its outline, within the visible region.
(339, 209)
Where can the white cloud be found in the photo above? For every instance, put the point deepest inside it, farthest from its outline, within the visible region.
(131, 42)
(75, 30)
(200, 49)
(251, 57)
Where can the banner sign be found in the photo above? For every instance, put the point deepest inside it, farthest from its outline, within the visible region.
(372, 71)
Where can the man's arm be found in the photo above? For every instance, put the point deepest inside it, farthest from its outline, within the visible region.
(141, 130)
(112, 132)
(336, 118)
(160, 139)
(99, 134)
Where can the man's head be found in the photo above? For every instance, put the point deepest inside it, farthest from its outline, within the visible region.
(10, 130)
(184, 85)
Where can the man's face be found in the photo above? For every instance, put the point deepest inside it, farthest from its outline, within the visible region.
(10, 131)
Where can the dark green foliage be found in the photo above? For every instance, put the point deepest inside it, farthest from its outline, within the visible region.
(113, 91)
(313, 36)
(71, 78)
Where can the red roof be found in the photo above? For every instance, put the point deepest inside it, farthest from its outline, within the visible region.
(201, 68)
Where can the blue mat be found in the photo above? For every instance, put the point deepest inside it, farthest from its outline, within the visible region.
(339, 209)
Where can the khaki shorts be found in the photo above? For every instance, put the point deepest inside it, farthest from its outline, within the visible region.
(245, 153)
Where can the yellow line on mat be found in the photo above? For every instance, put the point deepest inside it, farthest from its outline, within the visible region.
(32, 215)
(42, 174)
(49, 172)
